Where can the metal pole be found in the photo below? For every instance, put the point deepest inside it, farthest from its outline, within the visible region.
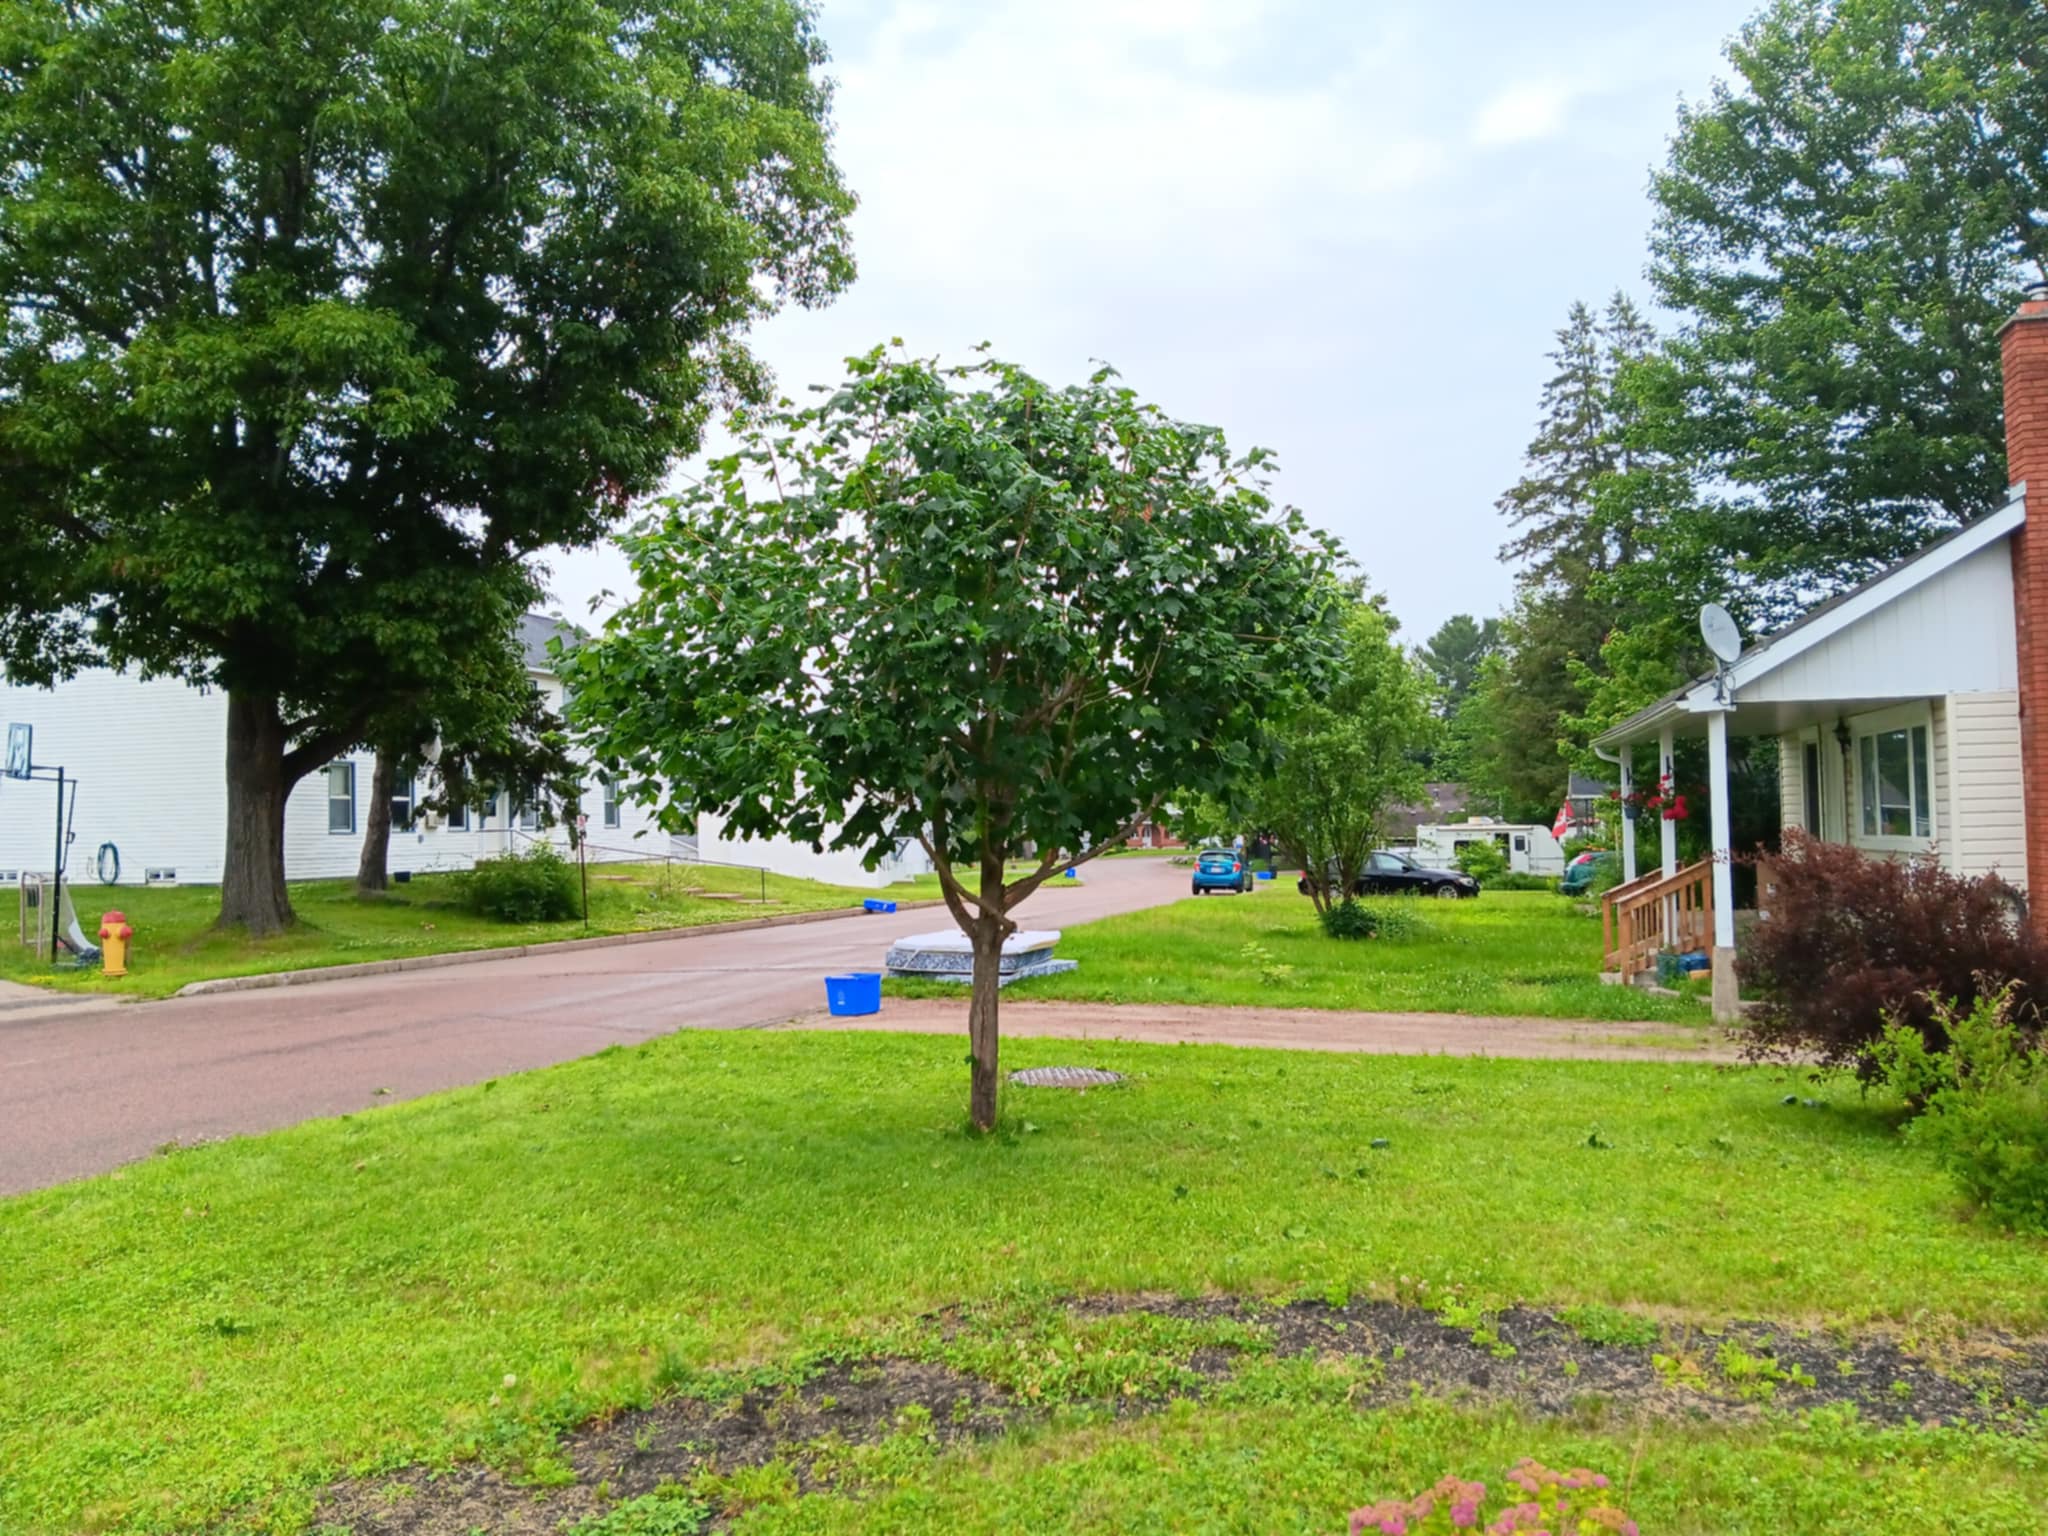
(583, 867)
(57, 871)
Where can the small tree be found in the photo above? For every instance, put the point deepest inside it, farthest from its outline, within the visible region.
(962, 608)
(1347, 755)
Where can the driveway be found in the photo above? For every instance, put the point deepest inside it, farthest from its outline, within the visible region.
(84, 1090)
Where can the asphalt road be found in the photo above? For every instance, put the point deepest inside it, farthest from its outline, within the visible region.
(84, 1091)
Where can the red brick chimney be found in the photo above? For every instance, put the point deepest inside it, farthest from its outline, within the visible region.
(2024, 348)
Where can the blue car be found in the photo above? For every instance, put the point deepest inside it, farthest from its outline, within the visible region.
(1221, 869)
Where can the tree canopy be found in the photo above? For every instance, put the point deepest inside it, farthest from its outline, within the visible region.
(963, 608)
(319, 321)
(1346, 754)
(1844, 226)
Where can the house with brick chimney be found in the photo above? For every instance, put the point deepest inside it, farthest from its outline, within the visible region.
(1911, 714)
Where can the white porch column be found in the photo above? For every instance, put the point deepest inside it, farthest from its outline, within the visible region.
(1628, 821)
(1725, 1010)
(1667, 830)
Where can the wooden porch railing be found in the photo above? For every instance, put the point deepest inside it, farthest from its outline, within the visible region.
(1656, 912)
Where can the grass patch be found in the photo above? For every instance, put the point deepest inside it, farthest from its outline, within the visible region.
(1301, 1462)
(176, 942)
(225, 1328)
(1507, 954)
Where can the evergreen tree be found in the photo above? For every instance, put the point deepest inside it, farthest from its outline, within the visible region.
(1590, 504)
(1454, 655)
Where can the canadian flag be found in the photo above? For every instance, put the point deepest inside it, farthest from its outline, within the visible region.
(1562, 827)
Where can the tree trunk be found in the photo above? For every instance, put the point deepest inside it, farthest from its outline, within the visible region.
(252, 888)
(981, 1021)
(372, 873)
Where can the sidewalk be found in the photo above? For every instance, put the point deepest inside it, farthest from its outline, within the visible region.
(1310, 1029)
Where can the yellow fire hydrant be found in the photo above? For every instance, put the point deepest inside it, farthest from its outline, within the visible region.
(114, 936)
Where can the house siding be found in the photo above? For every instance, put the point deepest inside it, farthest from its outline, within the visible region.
(1792, 781)
(1952, 633)
(150, 761)
(1987, 826)
(1945, 846)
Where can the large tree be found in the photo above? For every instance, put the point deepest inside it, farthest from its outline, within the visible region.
(319, 320)
(1454, 655)
(961, 608)
(1589, 505)
(1844, 228)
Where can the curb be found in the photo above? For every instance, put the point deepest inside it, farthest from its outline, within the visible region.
(546, 946)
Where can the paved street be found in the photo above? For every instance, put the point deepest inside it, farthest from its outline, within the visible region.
(82, 1092)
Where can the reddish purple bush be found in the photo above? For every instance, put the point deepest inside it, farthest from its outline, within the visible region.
(1536, 1502)
(1850, 940)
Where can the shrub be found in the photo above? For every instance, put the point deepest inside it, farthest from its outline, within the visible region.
(1536, 1499)
(1852, 942)
(1983, 1103)
(1515, 880)
(1350, 919)
(537, 886)
(1482, 860)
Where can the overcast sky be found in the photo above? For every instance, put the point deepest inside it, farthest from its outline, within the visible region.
(1343, 229)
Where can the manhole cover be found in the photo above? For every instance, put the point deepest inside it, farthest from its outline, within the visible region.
(1065, 1077)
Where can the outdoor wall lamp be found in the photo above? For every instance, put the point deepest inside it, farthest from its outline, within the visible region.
(1842, 736)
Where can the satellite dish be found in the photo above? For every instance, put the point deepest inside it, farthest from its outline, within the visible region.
(1718, 629)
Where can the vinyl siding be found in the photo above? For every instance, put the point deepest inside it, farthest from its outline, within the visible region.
(1945, 846)
(150, 761)
(1952, 633)
(1987, 822)
(1792, 781)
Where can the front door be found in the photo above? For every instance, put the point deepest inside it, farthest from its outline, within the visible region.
(1809, 777)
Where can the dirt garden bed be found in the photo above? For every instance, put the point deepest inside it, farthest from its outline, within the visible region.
(1597, 1363)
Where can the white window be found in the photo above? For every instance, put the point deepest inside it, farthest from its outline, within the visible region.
(485, 812)
(529, 816)
(1894, 787)
(458, 817)
(401, 805)
(611, 803)
(341, 797)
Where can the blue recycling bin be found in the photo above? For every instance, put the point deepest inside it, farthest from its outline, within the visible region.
(1265, 874)
(872, 904)
(850, 996)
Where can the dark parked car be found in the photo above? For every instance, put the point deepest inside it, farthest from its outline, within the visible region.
(1394, 874)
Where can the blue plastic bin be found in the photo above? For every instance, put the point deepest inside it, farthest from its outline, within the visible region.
(873, 905)
(1265, 874)
(849, 996)
(1067, 874)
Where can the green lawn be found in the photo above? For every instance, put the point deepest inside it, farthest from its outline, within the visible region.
(1505, 954)
(223, 1329)
(1299, 1462)
(175, 941)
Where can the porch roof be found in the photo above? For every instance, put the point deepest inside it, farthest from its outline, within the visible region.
(1768, 710)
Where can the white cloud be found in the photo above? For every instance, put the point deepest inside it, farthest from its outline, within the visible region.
(1522, 114)
(1282, 216)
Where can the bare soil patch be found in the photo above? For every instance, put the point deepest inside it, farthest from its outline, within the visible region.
(1541, 1362)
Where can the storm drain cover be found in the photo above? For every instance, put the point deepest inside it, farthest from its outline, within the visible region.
(1065, 1077)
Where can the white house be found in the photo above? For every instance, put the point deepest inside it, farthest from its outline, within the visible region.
(1905, 712)
(148, 758)
(782, 856)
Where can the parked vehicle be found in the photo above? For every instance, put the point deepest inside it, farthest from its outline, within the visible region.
(1394, 874)
(1221, 869)
(1584, 869)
